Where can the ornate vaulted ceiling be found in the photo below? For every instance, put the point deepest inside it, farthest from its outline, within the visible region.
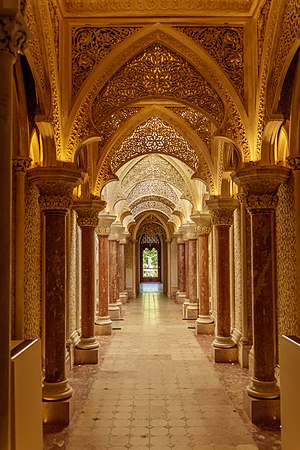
(162, 96)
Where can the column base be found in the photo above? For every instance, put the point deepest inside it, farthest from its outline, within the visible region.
(58, 412)
(192, 311)
(225, 355)
(60, 390)
(262, 411)
(120, 305)
(244, 351)
(184, 307)
(87, 343)
(103, 326)
(86, 356)
(266, 390)
(114, 311)
(205, 325)
(223, 342)
(180, 297)
(123, 297)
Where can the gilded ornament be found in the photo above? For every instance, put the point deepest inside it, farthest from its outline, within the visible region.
(151, 205)
(13, 35)
(152, 187)
(294, 162)
(21, 164)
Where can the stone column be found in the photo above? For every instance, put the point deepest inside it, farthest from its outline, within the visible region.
(56, 186)
(192, 307)
(134, 281)
(260, 185)
(20, 165)
(186, 265)
(86, 351)
(113, 306)
(180, 294)
(123, 295)
(103, 323)
(204, 322)
(294, 164)
(169, 294)
(224, 348)
(13, 39)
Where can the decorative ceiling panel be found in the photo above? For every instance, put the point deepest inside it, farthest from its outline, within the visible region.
(90, 45)
(198, 122)
(226, 46)
(152, 187)
(151, 229)
(158, 72)
(154, 136)
(151, 205)
(152, 198)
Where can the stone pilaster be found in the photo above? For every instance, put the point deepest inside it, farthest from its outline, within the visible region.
(123, 294)
(114, 306)
(190, 306)
(103, 323)
(86, 351)
(13, 39)
(204, 322)
(56, 186)
(20, 165)
(180, 294)
(294, 164)
(260, 185)
(224, 348)
(186, 271)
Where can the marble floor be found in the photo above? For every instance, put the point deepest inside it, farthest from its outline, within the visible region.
(156, 388)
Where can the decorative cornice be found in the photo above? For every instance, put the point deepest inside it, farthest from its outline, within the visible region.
(260, 185)
(56, 185)
(221, 210)
(20, 164)
(88, 211)
(13, 34)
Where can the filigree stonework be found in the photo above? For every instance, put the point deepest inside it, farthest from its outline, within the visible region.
(13, 35)
(294, 162)
(226, 46)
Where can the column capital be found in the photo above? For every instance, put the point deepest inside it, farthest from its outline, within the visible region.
(88, 211)
(14, 34)
(116, 231)
(221, 210)
(203, 223)
(294, 162)
(21, 163)
(260, 185)
(104, 223)
(188, 230)
(55, 185)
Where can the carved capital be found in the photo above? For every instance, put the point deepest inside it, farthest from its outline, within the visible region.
(55, 185)
(260, 185)
(203, 223)
(222, 210)
(294, 162)
(105, 221)
(189, 231)
(88, 211)
(13, 34)
(20, 164)
(203, 230)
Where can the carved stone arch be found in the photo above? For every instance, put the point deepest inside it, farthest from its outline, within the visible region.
(270, 140)
(118, 57)
(152, 215)
(201, 153)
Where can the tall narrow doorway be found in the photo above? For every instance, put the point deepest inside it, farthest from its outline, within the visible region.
(150, 257)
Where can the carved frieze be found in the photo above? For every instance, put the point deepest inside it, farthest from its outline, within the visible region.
(107, 128)
(90, 45)
(152, 187)
(151, 229)
(153, 198)
(158, 72)
(224, 44)
(154, 136)
(151, 205)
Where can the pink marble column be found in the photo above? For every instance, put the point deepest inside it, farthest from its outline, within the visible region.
(103, 323)
(186, 265)
(113, 307)
(192, 308)
(86, 351)
(123, 295)
(222, 219)
(13, 39)
(56, 186)
(260, 185)
(180, 294)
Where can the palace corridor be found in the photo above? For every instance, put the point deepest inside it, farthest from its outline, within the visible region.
(155, 388)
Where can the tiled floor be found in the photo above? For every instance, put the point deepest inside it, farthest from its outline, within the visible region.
(154, 389)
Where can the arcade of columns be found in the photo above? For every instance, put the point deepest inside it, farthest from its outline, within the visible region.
(205, 261)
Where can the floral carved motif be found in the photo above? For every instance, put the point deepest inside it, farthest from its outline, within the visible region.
(145, 206)
(88, 212)
(158, 72)
(152, 198)
(151, 229)
(261, 28)
(55, 27)
(226, 46)
(154, 136)
(198, 122)
(89, 46)
(152, 187)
